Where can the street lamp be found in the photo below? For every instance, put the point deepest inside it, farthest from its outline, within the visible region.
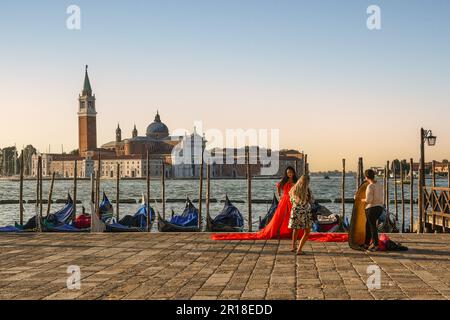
(431, 140)
(425, 135)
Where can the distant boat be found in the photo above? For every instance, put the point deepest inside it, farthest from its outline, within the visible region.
(326, 177)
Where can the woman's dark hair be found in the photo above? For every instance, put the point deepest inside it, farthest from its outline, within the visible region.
(285, 178)
(370, 174)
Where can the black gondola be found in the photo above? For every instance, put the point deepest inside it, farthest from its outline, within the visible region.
(229, 220)
(186, 222)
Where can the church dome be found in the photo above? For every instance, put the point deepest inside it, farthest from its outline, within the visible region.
(157, 129)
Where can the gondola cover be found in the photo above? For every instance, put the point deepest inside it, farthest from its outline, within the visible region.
(230, 219)
(132, 223)
(188, 218)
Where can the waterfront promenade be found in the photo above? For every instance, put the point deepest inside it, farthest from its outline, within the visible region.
(191, 266)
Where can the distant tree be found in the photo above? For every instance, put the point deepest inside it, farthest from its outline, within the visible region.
(74, 152)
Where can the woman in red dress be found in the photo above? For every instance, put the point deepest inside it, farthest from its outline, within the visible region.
(278, 226)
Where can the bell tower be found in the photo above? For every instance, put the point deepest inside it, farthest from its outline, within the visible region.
(87, 124)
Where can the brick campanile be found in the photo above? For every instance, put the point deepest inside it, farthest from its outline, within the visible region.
(87, 124)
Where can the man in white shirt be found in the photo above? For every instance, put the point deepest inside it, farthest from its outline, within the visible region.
(374, 208)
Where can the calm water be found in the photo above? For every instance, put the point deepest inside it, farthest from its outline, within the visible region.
(236, 190)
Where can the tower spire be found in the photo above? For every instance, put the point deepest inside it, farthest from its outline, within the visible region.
(118, 133)
(87, 90)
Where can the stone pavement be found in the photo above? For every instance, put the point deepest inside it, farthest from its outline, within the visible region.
(191, 266)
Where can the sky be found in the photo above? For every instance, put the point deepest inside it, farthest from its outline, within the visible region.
(311, 69)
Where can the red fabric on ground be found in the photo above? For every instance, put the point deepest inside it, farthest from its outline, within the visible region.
(278, 226)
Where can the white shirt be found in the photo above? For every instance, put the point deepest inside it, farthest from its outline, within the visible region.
(374, 195)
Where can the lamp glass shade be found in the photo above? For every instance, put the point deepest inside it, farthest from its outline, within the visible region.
(431, 140)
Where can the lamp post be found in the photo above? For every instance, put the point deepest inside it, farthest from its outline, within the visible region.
(425, 135)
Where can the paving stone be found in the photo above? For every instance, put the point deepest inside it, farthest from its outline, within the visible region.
(192, 266)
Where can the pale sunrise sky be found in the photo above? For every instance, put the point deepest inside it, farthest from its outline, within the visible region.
(311, 69)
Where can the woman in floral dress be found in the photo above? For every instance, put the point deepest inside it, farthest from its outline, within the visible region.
(301, 213)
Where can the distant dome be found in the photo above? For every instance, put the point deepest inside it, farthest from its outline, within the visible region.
(157, 129)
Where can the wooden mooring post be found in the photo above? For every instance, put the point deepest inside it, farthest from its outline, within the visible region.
(117, 190)
(387, 194)
(208, 195)
(149, 213)
(394, 171)
(343, 190)
(97, 187)
(249, 191)
(433, 185)
(92, 188)
(411, 195)
(21, 190)
(41, 205)
(38, 176)
(402, 191)
(163, 189)
(39, 196)
(75, 175)
(448, 175)
(360, 173)
(50, 193)
(433, 173)
(305, 164)
(200, 190)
